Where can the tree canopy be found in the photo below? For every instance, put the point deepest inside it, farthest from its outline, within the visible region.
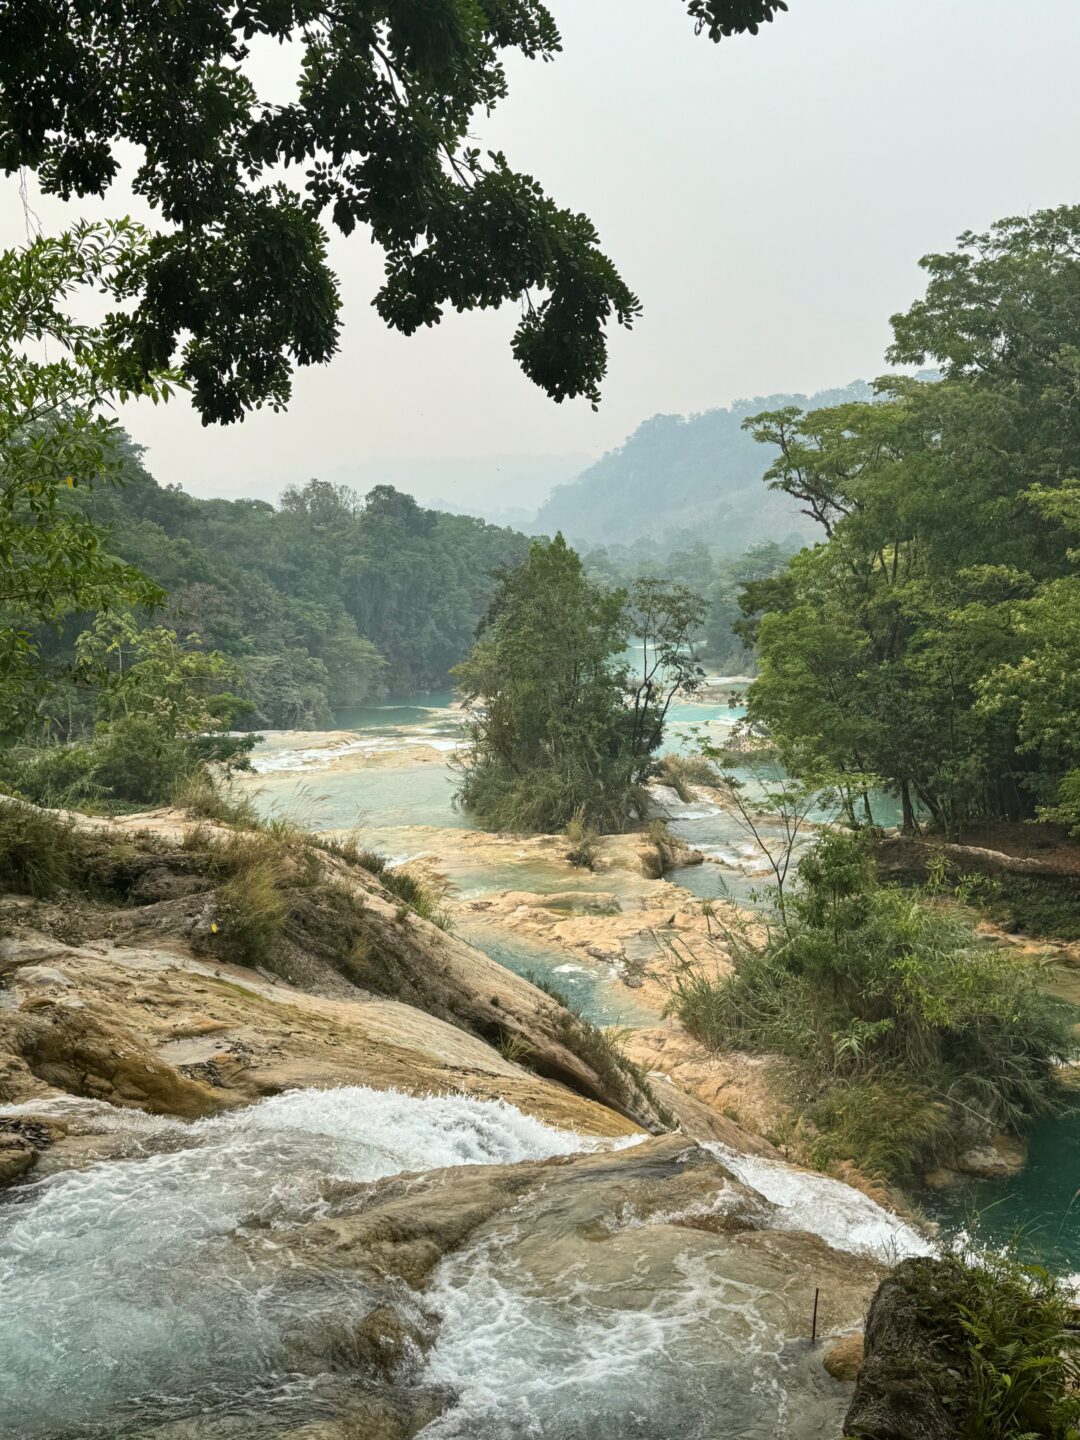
(932, 638)
(56, 378)
(561, 727)
(332, 599)
(236, 287)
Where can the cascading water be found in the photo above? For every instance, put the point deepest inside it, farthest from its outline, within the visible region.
(841, 1216)
(160, 1292)
(150, 1286)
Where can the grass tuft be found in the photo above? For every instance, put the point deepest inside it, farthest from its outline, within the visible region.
(36, 850)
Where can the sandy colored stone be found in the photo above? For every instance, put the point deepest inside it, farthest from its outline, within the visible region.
(16, 1157)
(844, 1357)
(268, 1036)
(740, 1087)
(1000, 1157)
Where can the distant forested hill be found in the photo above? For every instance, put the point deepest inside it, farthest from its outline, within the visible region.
(328, 599)
(678, 477)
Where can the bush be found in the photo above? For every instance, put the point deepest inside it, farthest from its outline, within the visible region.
(1023, 1351)
(1042, 906)
(683, 771)
(205, 798)
(868, 983)
(545, 799)
(250, 870)
(993, 1343)
(891, 1126)
(583, 839)
(420, 897)
(35, 850)
(132, 761)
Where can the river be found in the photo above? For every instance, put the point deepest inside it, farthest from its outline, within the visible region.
(401, 798)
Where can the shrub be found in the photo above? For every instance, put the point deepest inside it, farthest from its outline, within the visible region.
(891, 1126)
(205, 798)
(35, 850)
(868, 983)
(683, 771)
(419, 895)
(130, 762)
(250, 870)
(993, 1340)
(1023, 1351)
(583, 841)
(1043, 906)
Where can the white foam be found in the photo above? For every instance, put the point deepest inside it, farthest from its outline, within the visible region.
(682, 1353)
(151, 1280)
(842, 1216)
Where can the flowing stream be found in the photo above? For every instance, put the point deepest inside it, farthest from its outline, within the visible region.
(390, 802)
(175, 1292)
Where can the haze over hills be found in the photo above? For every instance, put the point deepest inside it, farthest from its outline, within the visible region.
(681, 475)
(504, 489)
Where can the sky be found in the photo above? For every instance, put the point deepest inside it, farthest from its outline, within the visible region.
(768, 198)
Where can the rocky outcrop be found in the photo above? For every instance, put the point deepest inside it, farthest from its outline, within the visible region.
(153, 1026)
(640, 1231)
(79, 1052)
(909, 1382)
(343, 935)
(996, 1158)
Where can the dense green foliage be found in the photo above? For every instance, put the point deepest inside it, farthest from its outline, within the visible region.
(561, 729)
(161, 707)
(933, 639)
(718, 577)
(57, 378)
(905, 1027)
(380, 125)
(326, 601)
(995, 1343)
(678, 480)
(323, 602)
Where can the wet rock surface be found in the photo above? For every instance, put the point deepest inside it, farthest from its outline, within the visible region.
(906, 1388)
(248, 1204)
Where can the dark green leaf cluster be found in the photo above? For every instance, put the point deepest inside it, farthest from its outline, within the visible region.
(563, 731)
(934, 638)
(238, 282)
(57, 378)
(734, 17)
(977, 1344)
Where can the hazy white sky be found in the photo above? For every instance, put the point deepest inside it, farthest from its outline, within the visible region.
(768, 198)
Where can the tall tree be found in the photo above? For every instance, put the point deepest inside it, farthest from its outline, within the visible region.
(239, 282)
(560, 726)
(929, 638)
(56, 378)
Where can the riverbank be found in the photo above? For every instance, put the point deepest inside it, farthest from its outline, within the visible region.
(612, 939)
(262, 1199)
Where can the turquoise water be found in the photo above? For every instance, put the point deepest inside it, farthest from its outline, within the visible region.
(391, 803)
(414, 710)
(591, 990)
(1039, 1209)
(377, 800)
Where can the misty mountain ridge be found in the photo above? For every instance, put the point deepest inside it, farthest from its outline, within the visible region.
(677, 475)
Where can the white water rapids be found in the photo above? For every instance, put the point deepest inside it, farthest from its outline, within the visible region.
(150, 1289)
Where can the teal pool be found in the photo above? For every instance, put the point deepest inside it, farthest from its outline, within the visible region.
(1038, 1210)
